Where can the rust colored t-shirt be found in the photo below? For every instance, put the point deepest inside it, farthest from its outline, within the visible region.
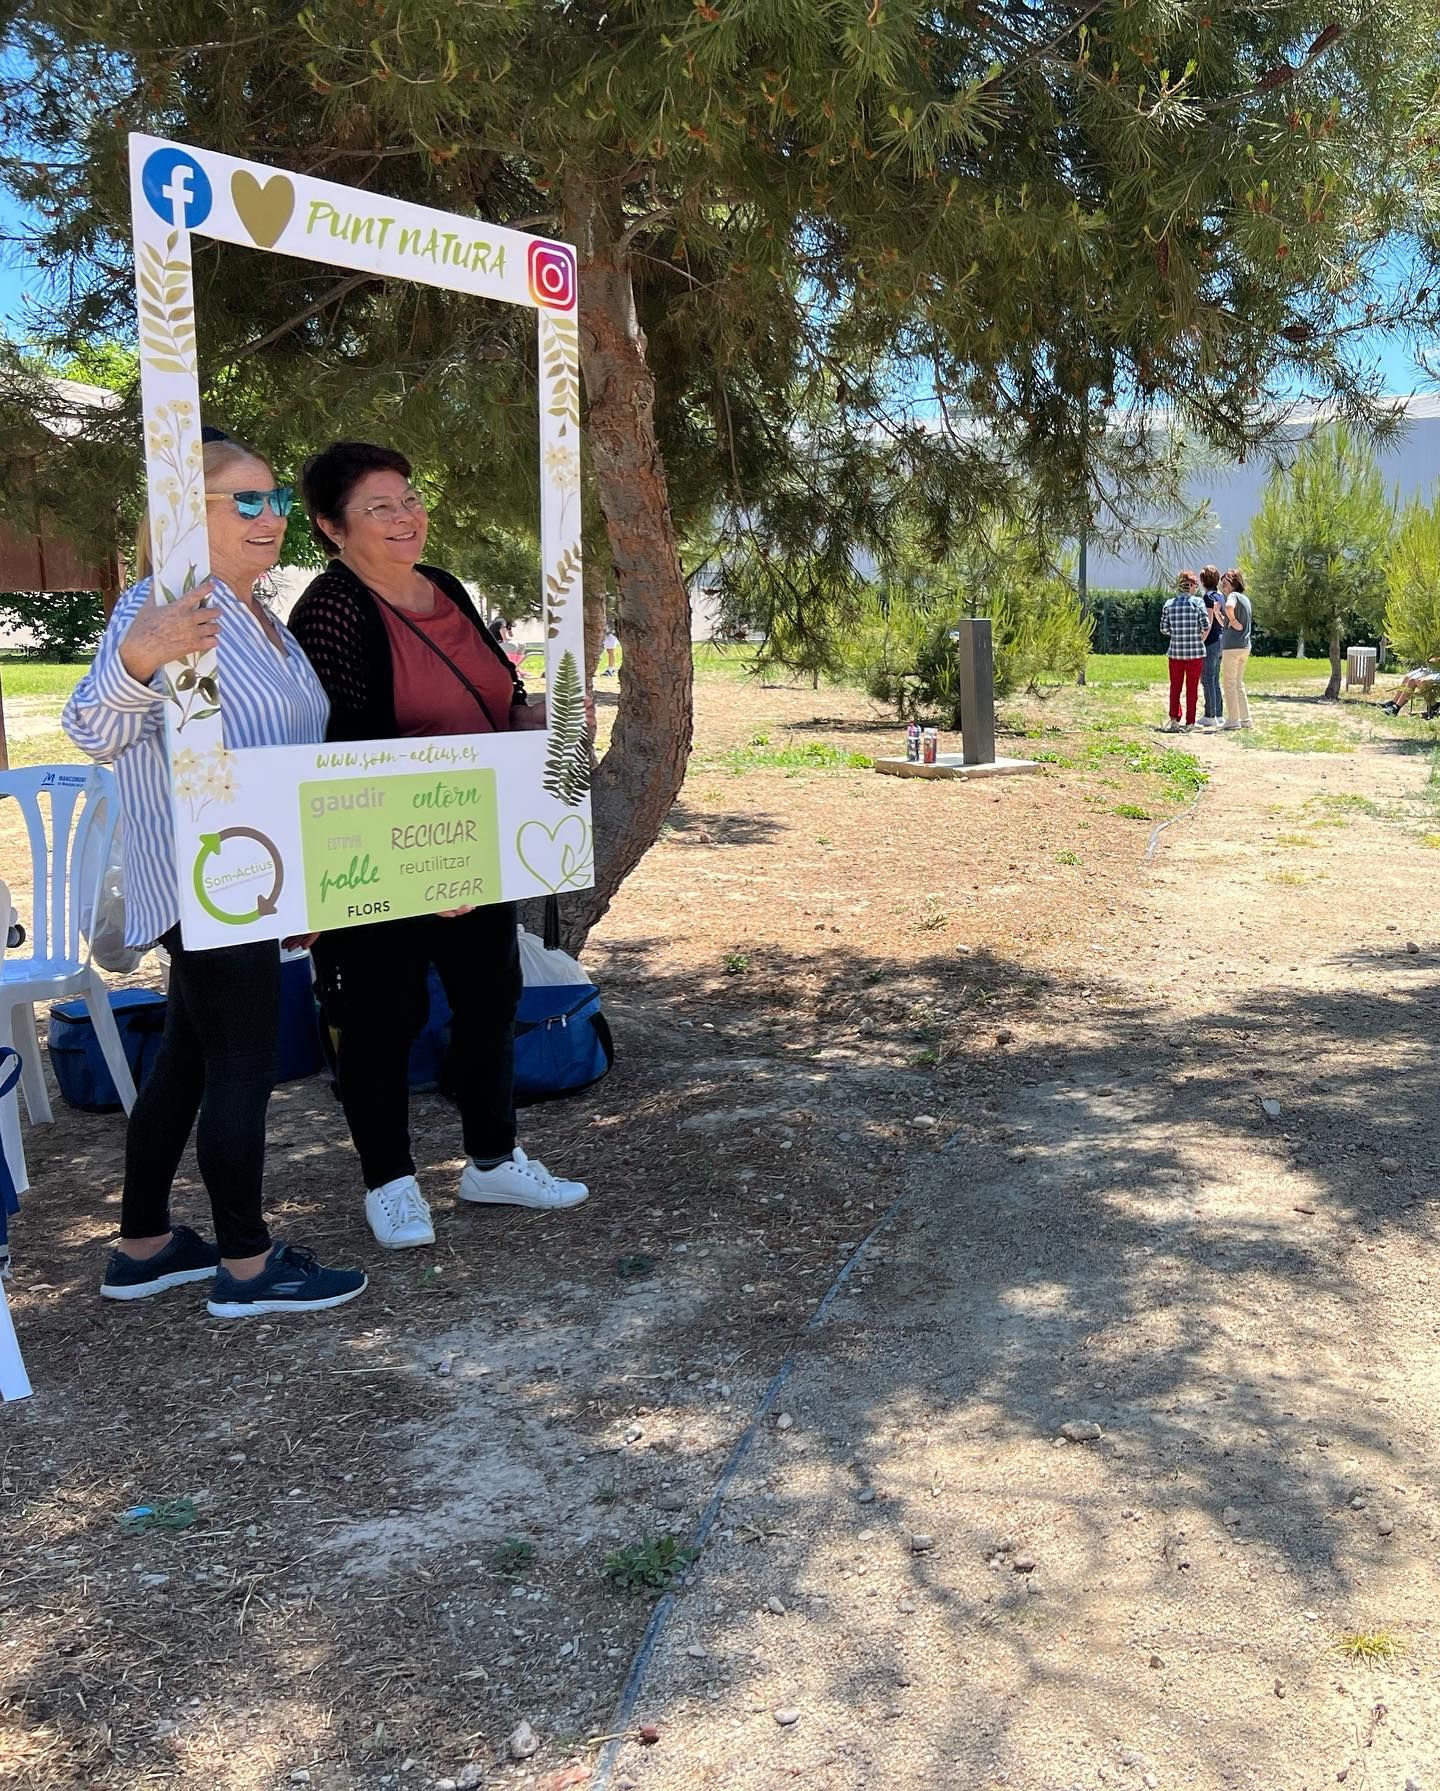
(429, 698)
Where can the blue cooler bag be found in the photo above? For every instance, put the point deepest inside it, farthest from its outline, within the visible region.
(75, 1055)
(301, 1051)
(562, 1040)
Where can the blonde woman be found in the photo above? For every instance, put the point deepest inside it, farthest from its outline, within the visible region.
(217, 1063)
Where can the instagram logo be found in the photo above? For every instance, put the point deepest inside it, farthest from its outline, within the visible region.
(552, 276)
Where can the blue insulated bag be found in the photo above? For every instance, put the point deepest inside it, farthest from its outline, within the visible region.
(562, 1041)
(75, 1055)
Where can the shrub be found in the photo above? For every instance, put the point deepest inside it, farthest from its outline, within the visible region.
(899, 649)
(1129, 622)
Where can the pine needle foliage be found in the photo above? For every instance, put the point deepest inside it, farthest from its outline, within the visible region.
(1412, 577)
(952, 233)
(1026, 212)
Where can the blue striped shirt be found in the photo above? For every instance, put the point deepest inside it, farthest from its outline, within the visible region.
(268, 701)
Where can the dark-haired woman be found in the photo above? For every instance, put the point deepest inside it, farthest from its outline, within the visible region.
(218, 1058)
(402, 651)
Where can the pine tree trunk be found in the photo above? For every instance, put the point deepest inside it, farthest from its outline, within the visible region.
(595, 597)
(642, 771)
(1332, 689)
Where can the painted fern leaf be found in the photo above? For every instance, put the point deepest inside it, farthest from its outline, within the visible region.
(567, 763)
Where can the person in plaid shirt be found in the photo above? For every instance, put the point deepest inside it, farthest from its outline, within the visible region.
(1184, 620)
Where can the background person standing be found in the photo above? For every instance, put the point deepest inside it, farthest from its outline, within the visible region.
(1185, 622)
(1210, 676)
(1235, 648)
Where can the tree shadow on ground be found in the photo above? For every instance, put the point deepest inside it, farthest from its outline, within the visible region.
(1014, 1288)
(695, 827)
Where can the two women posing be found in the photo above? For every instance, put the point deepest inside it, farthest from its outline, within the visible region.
(380, 646)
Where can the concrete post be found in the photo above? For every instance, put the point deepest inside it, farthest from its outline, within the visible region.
(977, 689)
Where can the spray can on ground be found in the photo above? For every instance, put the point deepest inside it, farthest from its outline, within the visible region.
(912, 743)
(930, 746)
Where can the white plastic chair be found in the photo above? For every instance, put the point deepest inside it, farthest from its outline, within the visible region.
(12, 1146)
(84, 809)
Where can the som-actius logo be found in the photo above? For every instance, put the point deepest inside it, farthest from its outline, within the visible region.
(552, 276)
(238, 875)
(177, 187)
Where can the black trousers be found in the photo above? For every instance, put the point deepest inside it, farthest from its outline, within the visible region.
(373, 991)
(217, 1064)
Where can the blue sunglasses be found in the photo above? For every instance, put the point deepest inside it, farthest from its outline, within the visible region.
(250, 503)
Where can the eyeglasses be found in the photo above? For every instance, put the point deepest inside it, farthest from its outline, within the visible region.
(392, 509)
(281, 500)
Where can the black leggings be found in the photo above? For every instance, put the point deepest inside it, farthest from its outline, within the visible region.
(218, 1060)
(373, 990)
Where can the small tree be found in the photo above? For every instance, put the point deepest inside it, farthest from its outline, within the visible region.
(892, 637)
(1412, 573)
(62, 625)
(1319, 543)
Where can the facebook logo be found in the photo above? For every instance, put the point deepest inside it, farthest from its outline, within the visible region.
(177, 187)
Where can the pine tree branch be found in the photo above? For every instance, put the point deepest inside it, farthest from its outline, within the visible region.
(335, 295)
(1287, 72)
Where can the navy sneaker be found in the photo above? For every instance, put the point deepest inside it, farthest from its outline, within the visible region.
(187, 1257)
(291, 1281)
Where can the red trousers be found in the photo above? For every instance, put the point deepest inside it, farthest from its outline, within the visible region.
(1186, 672)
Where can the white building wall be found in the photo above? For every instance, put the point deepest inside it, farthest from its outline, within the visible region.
(1410, 464)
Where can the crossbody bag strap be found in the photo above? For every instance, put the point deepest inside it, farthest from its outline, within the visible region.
(440, 653)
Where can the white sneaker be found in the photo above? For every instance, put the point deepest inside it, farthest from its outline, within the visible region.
(398, 1215)
(519, 1182)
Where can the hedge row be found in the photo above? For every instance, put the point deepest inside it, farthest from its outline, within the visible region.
(1129, 622)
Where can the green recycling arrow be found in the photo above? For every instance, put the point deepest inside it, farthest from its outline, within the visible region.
(210, 844)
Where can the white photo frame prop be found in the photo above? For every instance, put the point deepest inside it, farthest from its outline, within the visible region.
(273, 841)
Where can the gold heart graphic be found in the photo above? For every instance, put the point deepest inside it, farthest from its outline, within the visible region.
(264, 211)
(559, 857)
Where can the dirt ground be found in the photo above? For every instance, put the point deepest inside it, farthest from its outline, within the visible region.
(831, 991)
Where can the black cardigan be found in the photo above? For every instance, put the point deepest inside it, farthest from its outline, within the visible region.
(338, 623)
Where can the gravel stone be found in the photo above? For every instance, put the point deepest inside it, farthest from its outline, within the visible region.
(523, 1742)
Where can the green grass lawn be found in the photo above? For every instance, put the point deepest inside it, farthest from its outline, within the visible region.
(23, 677)
(1138, 671)
(716, 664)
